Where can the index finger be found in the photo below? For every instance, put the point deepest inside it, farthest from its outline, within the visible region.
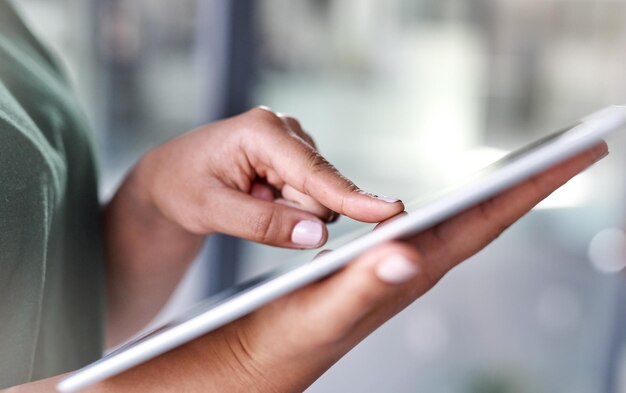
(302, 167)
(310, 173)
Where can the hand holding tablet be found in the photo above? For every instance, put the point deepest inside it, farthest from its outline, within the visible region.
(287, 343)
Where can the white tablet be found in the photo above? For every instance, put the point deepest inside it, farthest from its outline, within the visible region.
(243, 299)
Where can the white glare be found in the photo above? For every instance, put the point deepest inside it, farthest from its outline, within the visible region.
(606, 250)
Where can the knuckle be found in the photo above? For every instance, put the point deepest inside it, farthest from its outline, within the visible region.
(296, 129)
(293, 122)
(438, 238)
(261, 110)
(486, 210)
(545, 184)
(316, 161)
(263, 226)
(291, 119)
(317, 165)
(268, 119)
(432, 275)
(309, 139)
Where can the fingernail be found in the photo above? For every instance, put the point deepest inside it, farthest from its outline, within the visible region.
(600, 155)
(307, 233)
(600, 151)
(396, 269)
(386, 199)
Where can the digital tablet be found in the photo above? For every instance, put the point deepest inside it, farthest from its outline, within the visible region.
(234, 303)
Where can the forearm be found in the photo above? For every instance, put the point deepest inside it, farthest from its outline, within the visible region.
(224, 361)
(214, 363)
(146, 256)
(178, 370)
(175, 371)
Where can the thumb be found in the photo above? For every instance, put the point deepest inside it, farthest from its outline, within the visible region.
(348, 300)
(241, 215)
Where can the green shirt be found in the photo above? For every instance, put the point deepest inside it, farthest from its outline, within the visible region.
(50, 253)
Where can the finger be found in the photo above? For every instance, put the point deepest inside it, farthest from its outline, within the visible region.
(242, 215)
(451, 242)
(310, 173)
(362, 288)
(302, 167)
(295, 198)
(291, 194)
(386, 279)
(467, 234)
(294, 125)
(262, 191)
(390, 220)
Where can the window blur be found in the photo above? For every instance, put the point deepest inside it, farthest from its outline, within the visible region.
(404, 96)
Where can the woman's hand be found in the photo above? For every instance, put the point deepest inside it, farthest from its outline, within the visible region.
(257, 176)
(288, 344)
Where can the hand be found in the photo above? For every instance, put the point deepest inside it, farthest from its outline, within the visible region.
(288, 344)
(257, 176)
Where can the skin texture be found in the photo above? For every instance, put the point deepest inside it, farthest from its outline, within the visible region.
(255, 176)
(178, 193)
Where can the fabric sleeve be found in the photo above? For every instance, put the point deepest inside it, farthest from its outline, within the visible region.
(24, 228)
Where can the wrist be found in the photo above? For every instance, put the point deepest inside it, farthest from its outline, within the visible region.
(145, 257)
(244, 356)
(225, 362)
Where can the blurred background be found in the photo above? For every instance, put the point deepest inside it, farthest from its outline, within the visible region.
(404, 96)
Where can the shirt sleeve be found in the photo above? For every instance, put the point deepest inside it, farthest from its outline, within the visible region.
(24, 228)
